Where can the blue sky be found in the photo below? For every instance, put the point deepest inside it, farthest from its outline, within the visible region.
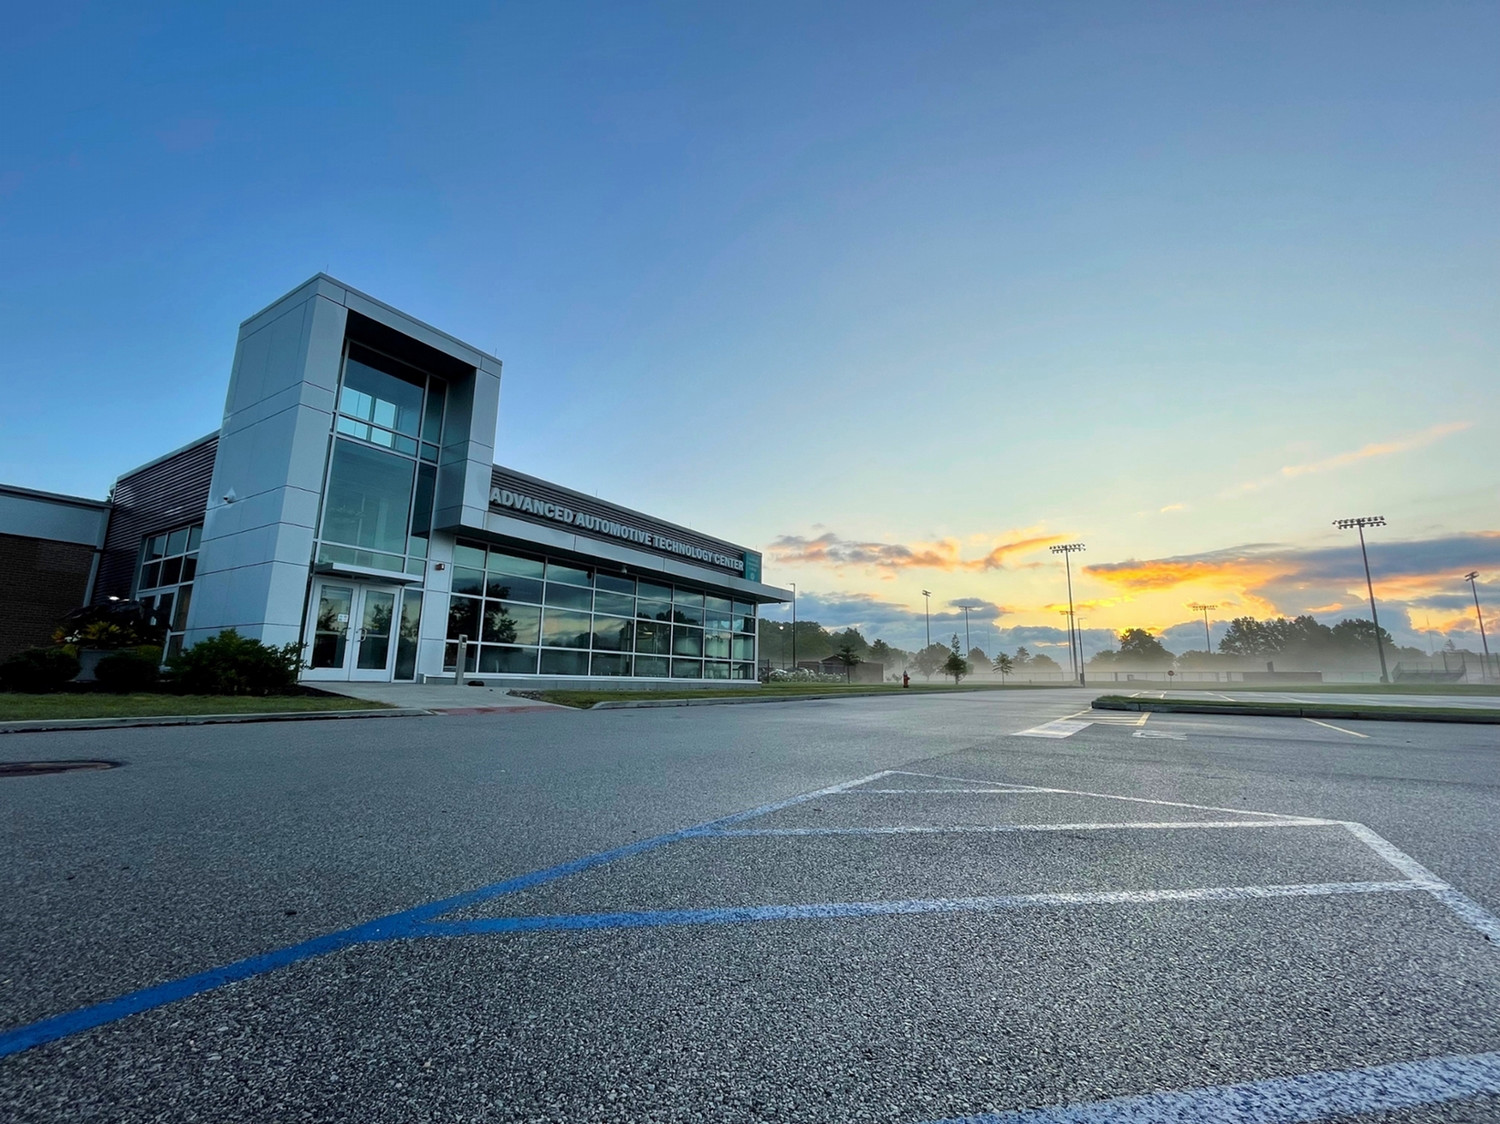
(1172, 279)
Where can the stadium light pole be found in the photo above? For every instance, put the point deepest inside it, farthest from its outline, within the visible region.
(1471, 577)
(927, 612)
(1066, 549)
(1072, 665)
(1360, 524)
(1208, 639)
(967, 645)
(794, 624)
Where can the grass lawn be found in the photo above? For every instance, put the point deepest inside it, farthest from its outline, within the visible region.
(16, 707)
(586, 699)
(1330, 709)
(1327, 688)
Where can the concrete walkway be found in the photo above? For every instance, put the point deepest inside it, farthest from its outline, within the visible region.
(439, 698)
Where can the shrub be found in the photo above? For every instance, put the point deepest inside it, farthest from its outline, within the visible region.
(136, 669)
(231, 664)
(37, 670)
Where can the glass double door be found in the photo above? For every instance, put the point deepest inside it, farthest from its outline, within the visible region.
(355, 631)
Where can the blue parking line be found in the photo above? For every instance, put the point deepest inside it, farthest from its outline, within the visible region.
(1283, 1100)
(405, 924)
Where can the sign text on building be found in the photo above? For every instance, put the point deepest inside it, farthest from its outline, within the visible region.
(558, 513)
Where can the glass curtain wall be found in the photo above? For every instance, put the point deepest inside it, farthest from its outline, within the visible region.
(536, 616)
(169, 563)
(377, 505)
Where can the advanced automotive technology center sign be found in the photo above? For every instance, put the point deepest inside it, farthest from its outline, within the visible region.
(552, 510)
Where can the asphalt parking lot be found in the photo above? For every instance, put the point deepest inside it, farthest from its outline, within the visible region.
(991, 906)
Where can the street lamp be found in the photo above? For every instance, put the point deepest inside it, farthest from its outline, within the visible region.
(1360, 524)
(1065, 550)
(1208, 640)
(927, 612)
(1471, 577)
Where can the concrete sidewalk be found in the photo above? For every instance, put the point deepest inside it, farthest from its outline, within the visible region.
(440, 698)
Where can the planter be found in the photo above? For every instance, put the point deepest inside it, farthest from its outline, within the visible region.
(88, 660)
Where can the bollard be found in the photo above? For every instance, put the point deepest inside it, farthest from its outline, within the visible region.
(458, 664)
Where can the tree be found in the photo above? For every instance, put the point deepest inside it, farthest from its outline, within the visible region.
(882, 653)
(1104, 658)
(1042, 662)
(846, 656)
(1140, 647)
(955, 664)
(976, 657)
(1003, 664)
(1358, 636)
(930, 659)
(1023, 657)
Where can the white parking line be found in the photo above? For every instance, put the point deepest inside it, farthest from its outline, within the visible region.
(1061, 728)
(1340, 729)
(1014, 828)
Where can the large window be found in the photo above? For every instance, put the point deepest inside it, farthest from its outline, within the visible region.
(532, 616)
(164, 585)
(377, 507)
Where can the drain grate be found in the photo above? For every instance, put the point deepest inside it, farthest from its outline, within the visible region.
(39, 768)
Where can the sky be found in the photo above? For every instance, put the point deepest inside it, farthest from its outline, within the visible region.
(901, 295)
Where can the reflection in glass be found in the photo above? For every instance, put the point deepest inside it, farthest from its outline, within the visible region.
(616, 604)
(368, 502)
(687, 641)
(563, 629)
(409, 634)
(331, 629)
(375, 629)
(507, 661)
(569, 574)
(513, 588)
(470, 583)
(463, 618)
(508, 623)
(714, 669)
(716, 645)
(613, 633)
(653, 637)
(744, 648)
(514, 564)
(687, 669)
(614, 583)
(564, 663)
(652, 667)
(389, 400)
(610, 665)
(568, 596)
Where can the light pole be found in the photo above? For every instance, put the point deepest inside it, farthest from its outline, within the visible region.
(1065, 550)
(967, 645)
(1072, 666)
(1208, 640)
(794, 624)
(1471, 577)
(927, 612)
(1360, 524)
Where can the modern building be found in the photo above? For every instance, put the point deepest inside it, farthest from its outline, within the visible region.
(350, 503)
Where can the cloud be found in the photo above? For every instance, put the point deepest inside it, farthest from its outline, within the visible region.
(1271, 578)
(1169, 507)
(1343, 460)
(1378, 449)
(946, 554)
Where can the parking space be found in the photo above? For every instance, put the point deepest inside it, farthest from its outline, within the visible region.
(975, 935)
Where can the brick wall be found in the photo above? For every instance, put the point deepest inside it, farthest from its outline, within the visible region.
(43, 581)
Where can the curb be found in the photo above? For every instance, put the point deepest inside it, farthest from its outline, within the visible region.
(633, 704)
(1295, 710)
(49, 725)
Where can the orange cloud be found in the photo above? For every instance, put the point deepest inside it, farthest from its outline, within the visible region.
(946, 555)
